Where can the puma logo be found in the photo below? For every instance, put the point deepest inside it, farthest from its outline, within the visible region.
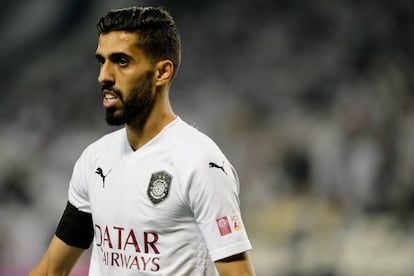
(214, 165)
(99, 171)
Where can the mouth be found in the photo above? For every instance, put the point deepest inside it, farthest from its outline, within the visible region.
(109, 98)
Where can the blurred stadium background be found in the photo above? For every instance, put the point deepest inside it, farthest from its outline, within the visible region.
(312, 100)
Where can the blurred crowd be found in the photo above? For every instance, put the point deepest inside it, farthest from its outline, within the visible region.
(312, 101)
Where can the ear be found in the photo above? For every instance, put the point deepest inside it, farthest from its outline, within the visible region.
(164, 72)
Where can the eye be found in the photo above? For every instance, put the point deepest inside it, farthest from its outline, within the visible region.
(120, 59)
(123, 62)
(100, 60)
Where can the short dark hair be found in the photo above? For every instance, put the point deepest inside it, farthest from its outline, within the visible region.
(158, 34)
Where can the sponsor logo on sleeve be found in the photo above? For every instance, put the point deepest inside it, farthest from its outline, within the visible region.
(229, 224)
(223, 226)
(236, 222)
(214, 165)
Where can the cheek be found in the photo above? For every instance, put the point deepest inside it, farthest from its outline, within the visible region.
(125, 84)
(131, 80)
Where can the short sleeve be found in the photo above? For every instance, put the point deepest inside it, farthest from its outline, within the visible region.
(214, 200)
(78, 188)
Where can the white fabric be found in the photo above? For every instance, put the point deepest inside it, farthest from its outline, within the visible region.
(198, 222)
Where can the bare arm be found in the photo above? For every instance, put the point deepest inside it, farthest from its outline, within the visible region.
(59, 259)
(237, 265)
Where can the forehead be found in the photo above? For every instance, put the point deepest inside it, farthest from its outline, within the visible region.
(118, 42)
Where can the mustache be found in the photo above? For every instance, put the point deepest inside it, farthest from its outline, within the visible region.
(110, 87)
(107, 86)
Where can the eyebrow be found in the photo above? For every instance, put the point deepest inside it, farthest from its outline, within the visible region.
(114, 56)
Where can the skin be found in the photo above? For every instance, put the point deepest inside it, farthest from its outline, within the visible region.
(124, 66)
(58, 260)
(125, 71)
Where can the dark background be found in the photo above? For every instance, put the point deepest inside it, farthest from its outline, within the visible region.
(312, 101)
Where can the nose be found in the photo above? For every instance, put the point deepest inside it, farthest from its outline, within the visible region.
(105, 74)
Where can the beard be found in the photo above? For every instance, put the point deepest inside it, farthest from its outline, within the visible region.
(136, 106)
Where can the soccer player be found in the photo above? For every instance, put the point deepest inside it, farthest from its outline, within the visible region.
(156, 197)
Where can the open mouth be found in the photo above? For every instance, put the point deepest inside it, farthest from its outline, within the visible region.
(109, 96)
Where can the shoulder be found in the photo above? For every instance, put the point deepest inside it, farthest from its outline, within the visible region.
(191, 142)
(192, 151)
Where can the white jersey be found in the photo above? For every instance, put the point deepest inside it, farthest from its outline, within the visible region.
(169, 208)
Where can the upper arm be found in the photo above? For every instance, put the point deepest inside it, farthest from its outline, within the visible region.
(238, 264)
(59, 259)
(73, 234)
(214, 200)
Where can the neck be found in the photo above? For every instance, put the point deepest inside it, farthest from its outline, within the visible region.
(142, 131)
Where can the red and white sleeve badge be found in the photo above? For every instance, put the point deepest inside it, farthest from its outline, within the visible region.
(227, 226)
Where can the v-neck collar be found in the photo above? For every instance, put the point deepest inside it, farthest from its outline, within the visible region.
(129, 150)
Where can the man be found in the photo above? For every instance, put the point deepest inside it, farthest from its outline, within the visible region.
(156, 197)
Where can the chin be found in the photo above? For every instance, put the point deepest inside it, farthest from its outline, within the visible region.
(114, 120)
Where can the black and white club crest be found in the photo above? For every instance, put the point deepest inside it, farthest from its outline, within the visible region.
(159, 186)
